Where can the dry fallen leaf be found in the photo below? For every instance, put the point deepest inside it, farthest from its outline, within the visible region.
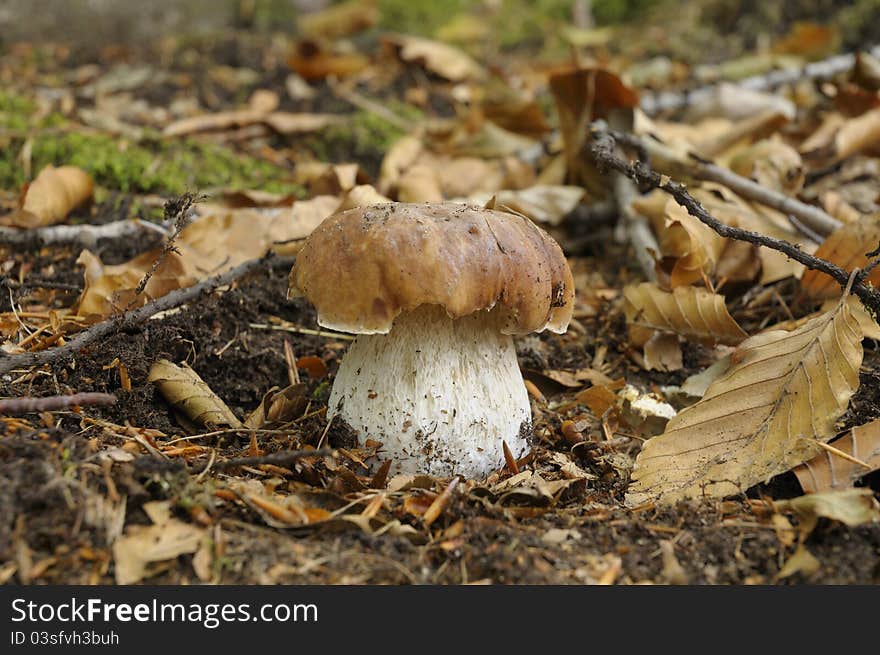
(782, 391)
(440, 58)
(663, 352)
(691, 312)
(845, 247)
(849, 506)
(542, 203)
(142, 545)
(51, 197)
(190, 395)
(828, 470)
(693, 247)
(583, 95)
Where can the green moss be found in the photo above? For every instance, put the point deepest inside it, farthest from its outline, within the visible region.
(419, 18)
(15, 111)
(153, 165)
(364, 137)
(157, 166)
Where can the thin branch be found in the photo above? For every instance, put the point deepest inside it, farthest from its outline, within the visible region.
(603, 152)
(134, 318)
(816, 220)
(14, 406)
(177, 213)
(653, 104)
(81, 235)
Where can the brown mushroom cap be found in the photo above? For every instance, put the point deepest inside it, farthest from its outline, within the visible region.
(362, 267)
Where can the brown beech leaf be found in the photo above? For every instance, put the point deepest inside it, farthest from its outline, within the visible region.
(543, 203)
(280, 121)
(691, 312)
(663, 353)
(362, 195)
(582, 95)
(141, 545)
(53, 194)
(694, 247)
(851, 507)
(782, 391)
(440, 58)
(845, 247)
(190, 395)
(772, 164)
(828, 471)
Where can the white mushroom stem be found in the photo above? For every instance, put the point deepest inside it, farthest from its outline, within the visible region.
(440, 394)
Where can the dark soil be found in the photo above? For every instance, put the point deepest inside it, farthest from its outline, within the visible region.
(48, 477)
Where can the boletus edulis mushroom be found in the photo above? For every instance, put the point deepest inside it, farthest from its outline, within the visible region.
(434, 293)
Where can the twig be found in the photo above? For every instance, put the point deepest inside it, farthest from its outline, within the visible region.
(177, 213)
(134, 318)
(663, 160)
(83, 235)
(602, 150)
(654, 104)
(282, 458)
(54, 403)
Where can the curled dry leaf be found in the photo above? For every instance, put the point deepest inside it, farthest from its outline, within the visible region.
(51, 197)
(693, 247)
(691, 312)
(845, 247)
(190, 395)
(279, 406)
(583, 95)
(440, 58)
(828, 471)
(783, 391)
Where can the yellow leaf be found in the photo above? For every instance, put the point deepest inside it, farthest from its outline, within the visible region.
(691, 312)
(782, 392)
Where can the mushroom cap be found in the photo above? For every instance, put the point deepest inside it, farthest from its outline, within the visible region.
(362, 267)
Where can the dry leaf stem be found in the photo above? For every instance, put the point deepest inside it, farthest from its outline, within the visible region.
(134, 318)
(603, 151)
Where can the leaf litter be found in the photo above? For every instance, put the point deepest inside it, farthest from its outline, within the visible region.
(637, 473)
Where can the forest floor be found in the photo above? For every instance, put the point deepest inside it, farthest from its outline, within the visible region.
(89, 491)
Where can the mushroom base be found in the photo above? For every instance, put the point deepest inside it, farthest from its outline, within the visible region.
(440, 394)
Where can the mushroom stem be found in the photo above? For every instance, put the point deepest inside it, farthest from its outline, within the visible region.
(440, 394)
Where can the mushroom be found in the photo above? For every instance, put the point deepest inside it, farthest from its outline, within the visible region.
(434, 293)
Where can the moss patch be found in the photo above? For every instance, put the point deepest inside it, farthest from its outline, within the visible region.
(151, 166)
